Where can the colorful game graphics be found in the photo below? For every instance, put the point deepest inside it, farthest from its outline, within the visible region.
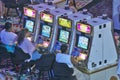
(82, 56)
(29, 12)
(46, 43)
(64, 36)
(46, 31)
(46, 17)
(83, 42)
(84, 28)
(65, 22)
(29, 25)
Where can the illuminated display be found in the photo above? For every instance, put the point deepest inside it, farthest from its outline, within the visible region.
(65, 22)
(29, 25)
(82, 56)
(29, 12)
(83, 42)
(84, 28)
(46, 44)
(46, 17)
(46, 30)
(64, 36)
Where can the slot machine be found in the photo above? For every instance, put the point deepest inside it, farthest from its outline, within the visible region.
(76, 17)
(95, 48)
(64, 33)
(47, 27)
(40, 7)
(31, 17)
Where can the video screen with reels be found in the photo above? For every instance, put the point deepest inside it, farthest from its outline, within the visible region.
(45, 30)
(64, 36)
(82, 42)
(29, 24)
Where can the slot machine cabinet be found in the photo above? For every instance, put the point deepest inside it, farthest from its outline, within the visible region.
(102, 44)
(38, 8)
(30, 15)
(48, 21)
(98, 56)
(57, 12)
(76, 17)
(64, 31)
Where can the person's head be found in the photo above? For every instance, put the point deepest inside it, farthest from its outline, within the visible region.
(8, 26)
(22, 34)
(64, 48)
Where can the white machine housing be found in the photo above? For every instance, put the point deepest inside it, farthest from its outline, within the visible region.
(103, 51)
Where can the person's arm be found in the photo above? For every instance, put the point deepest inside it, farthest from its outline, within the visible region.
(74, 61)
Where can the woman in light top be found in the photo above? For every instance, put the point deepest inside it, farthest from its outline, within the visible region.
(26, 45)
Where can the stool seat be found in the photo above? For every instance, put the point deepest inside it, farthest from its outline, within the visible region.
(45, 63)
(62, 71)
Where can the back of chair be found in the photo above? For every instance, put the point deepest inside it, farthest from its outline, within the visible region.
(2, 49)
(20, 55)
(3, 52)
(62, 70)
(45, 62)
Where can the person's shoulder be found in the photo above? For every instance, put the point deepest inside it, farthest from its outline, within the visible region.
(62, 54)
(12, 33)
(2, 31)
(58, 54)
(25, 39)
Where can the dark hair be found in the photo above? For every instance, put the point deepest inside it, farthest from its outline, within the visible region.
(21, 35)
(63, 48)
(8, 25)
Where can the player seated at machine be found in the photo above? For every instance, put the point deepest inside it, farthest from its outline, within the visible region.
(8, 37)
(26, 45)
(64, 57)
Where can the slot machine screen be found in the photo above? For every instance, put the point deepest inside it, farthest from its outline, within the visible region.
(84, 28)
(29, 24)
(64, 22)
(29, 12)
(46, 17)
(82, 42)
(46, 30)
(64, 36)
